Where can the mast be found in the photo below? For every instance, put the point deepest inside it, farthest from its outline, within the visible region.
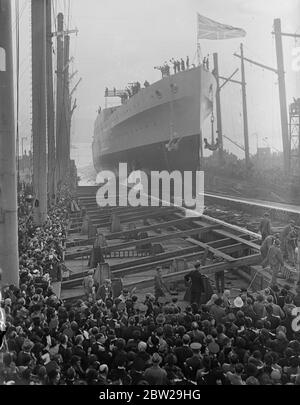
(245, 114)
(218, 106)
(282, 95)
(39, 109)
(67, 107)
(59, 96)
(9, 261)
(50, 106)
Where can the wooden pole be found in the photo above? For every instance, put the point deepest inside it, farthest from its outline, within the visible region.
(39, 109)
(67, 106)
(245, 114)
(50, 106)
(282, 95)
(218, 107)
(59, 97)
(9, 261)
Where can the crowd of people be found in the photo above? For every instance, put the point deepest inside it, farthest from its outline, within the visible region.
(179, 65)
(279, 249)
(121, 341)
(217, 339)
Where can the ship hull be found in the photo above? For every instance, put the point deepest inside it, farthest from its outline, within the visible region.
(139, 132)
(155, 157)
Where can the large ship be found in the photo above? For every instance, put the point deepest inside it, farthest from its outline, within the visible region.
(156, 127)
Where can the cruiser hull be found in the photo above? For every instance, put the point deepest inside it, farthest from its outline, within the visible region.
(138, 132)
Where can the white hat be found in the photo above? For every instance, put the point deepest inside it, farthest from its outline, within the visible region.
(238, 302)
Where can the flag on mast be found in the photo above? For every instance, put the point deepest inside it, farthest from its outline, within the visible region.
(210, 29)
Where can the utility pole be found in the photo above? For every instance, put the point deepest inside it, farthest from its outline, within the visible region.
(9, 260)
(50, 106)
(218, 107)
(245, 114)
(282, 95)
(282, 91)
(39, 109)
(60, 97)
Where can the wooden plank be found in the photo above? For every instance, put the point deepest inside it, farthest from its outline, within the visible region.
(130, 217)
(238, 239)
(216, 252)
(153, 239)
(209, 269)
(235, 228)
(186, 253)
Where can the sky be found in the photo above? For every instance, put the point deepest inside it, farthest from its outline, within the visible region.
(120, 41)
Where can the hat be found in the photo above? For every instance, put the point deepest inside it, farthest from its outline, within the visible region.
(252, 381)
(103, 368)
(276, 374)
(238, 302)
(142, 346)
(27, 345)
(142, 308)
(7, 301)
(160, 319)
(213, 348)
(195, 346)
(121, 306)
(156, 358)
(281, 335)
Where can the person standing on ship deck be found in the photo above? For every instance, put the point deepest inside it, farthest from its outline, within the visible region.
(182, 64)
(187, 63)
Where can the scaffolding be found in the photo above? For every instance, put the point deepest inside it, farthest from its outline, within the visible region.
(294, 129)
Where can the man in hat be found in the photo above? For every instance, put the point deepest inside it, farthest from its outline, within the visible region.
(194, 362)
(197, 286)
(104, 291)
(283, 238)
(265, 226)
(291, 244)
(155, 375)
(96, 255)
(275, 258)
(88, 284)
(264, 249)
(159, 286)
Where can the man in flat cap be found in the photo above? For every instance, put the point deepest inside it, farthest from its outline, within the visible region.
(197, 286)
(265, 226)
